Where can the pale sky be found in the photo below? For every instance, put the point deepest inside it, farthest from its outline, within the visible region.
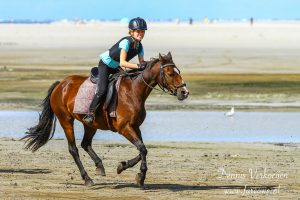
(154, 9)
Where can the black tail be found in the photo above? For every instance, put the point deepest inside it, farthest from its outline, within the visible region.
(39, 135)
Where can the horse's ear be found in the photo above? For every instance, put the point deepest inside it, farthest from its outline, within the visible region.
(169, 55)
(161, 59)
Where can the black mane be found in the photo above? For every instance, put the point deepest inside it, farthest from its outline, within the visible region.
(133, 73)
(153, 60)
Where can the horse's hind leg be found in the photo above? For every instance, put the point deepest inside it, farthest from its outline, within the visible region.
(86, 144)
(67, 125)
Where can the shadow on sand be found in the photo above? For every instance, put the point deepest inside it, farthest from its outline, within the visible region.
(180, 187)
(26, 171)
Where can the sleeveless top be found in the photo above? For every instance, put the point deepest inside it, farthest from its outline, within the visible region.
(112, 57)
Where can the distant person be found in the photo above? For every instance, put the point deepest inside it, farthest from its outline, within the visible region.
(191, 21)
(119, 55)
(251, 21)
(206, 20)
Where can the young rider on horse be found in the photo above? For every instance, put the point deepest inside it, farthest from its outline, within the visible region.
(118, 55)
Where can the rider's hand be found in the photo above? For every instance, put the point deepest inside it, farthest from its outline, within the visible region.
(142, 66)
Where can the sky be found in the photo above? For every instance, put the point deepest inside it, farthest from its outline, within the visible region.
(149, 9)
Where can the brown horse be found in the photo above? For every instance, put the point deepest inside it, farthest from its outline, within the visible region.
(130, 112)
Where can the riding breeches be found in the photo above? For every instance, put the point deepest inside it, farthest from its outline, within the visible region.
(103, 73)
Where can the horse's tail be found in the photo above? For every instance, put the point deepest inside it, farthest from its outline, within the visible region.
(39, 135)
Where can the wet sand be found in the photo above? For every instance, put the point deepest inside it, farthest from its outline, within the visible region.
(175, 171)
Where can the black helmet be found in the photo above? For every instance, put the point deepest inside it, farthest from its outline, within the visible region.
(137, 24)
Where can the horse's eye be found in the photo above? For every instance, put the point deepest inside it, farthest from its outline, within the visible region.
(171, 74)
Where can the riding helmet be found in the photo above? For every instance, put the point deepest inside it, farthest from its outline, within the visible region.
(137, 24)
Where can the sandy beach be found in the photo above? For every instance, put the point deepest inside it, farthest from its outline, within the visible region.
(175, 171)
(224, 64)
(218, 47)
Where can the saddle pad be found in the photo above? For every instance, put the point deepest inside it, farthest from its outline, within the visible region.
(84, 97)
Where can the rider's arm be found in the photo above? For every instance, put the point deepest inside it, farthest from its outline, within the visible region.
(141, 55)
(124, 63)
(141, 59)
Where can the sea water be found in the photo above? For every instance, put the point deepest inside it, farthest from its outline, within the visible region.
(181, 126)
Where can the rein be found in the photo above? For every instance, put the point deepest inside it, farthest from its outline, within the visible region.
(165, 87)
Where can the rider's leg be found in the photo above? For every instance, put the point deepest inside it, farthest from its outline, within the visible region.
(100, 92)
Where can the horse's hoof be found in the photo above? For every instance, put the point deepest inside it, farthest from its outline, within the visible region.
(89, 183)
(121, 167)
(100, 171)
(140, 180)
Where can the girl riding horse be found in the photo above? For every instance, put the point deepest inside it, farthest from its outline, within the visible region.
(130, 114)
(118, 55)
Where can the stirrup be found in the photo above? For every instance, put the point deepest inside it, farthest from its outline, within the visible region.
(89, 119)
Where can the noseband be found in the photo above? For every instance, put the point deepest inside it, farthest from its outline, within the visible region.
(164, 86)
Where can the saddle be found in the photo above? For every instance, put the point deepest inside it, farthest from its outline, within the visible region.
(87, 90)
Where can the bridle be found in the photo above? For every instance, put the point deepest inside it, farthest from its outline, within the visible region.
(164, 86)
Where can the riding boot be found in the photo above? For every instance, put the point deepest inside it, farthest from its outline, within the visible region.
(89, 118)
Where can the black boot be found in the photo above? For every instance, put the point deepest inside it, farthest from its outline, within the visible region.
(89, 118)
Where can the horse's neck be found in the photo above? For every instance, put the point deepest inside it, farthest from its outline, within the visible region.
(142, 85)
(150, 78)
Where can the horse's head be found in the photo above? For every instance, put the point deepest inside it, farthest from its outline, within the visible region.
(170, 78)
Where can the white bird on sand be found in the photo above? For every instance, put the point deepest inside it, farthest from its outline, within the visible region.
(230, 113)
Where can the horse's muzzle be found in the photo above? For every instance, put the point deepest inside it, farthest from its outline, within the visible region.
(182, 93)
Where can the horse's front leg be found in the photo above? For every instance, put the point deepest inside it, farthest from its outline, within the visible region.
(128, 164)
(134, 136)
(140, 177)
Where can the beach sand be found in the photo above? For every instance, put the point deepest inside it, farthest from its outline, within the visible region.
(200, 48)
(229, 50)
(176, 170)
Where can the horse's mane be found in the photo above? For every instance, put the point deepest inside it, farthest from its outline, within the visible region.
(133, 73)
(154, 60)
